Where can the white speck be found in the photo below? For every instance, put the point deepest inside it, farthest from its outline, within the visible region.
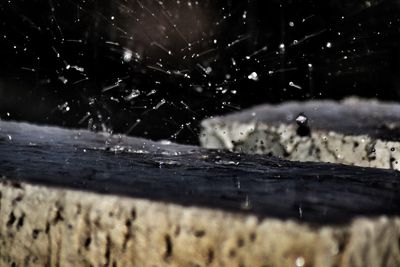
(162, 102)
(292, 84)
(77, 68)
(135, 93)
(64, 107)
(9, 137)
(165, 142)
(215, 41)
(301, 119)
(246, 205)
(291, 24)
(253, 76)
(8, 114)
(112, 17)
(300, 262)
(244, 15)
(63, 79)
(310, 66)
(152, 92)
(282, 48)
(127, 55)
(208, 70)
(328, 44)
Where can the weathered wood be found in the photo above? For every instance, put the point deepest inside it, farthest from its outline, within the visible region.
(355, 132)
(52, 227)
(75, 198)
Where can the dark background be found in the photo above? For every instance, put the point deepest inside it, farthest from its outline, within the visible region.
(62, 61)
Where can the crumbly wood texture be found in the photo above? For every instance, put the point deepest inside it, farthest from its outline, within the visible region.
(354, 132)
(59, 227)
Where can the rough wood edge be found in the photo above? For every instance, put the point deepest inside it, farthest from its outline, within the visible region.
(283, 141)
(42, 226)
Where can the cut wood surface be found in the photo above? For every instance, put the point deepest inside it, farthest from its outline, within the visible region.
(76, 198)
(353, 131)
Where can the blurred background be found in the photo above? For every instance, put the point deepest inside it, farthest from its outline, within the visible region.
(156, 68)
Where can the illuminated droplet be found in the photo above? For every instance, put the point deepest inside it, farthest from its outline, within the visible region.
(253, 76)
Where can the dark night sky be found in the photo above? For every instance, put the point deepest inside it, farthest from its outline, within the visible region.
(156, 70)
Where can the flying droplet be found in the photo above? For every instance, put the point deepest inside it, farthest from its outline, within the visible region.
(292, 84)
(135, 93)
(282, 48)
(127, 57)
(301, 119)
(253, 76)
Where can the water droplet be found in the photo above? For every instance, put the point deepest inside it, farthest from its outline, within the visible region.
(253, 76)
(227, 162)
(127, 57)
(301, 119)
(292, 84)
(168, 163)
(246, 205)
(63, 79)
(135, 93)
(282, 48)
(64, 108)
(300, 261)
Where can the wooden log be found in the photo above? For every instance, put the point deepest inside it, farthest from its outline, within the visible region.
(75, 198)
(354, 132)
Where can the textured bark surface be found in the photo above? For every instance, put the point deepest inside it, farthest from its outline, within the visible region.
(191, 176)
(76, 198)
(42, 227)
(354, 132)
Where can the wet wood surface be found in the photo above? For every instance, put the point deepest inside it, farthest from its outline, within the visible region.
(192, 176)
